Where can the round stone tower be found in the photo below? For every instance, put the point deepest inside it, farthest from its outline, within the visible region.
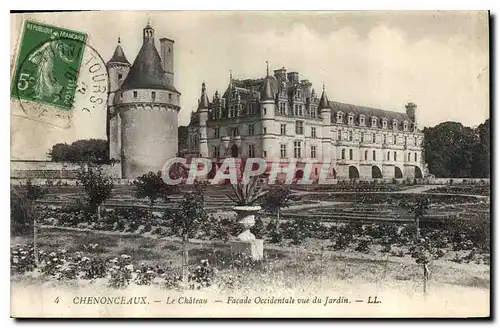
(148, 104)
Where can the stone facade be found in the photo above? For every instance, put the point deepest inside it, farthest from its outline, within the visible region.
(282, 117)
(143, 107)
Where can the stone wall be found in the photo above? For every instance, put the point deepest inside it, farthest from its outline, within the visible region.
(45, 170)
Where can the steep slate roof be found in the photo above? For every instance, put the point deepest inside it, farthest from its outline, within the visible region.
(323, 102)
(119, 55)
(204, 102)
(267, 91)
(367, 111)
(147, 71)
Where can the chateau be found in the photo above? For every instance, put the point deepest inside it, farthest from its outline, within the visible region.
(143, 105)
(282, 117)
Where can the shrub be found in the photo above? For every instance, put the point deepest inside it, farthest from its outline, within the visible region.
(342, 237)
(274, 232)
(22, 258)
(202, 276)
(120, 272)
(363, 244)
(21, 214)
(152, 187)
(258, 229)
(96, 185)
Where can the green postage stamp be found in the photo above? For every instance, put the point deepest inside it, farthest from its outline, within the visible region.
(48, 63)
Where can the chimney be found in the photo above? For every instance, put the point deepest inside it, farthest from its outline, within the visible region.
(167, 58)
(293, 78)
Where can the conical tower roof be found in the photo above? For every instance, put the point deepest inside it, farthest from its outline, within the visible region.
(267, 92)
(324, 102)
(147, 71)
(119, 55)
(204, 102)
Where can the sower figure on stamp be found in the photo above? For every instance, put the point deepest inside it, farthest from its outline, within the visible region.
(45, 84)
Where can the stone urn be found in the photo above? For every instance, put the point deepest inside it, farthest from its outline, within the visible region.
(245, 216)
(245, 242)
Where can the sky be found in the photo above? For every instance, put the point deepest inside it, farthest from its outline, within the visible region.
(438, 60)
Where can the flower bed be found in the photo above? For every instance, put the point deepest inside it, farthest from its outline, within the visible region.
(388, 198)
(341, 187)
(483, 190)
(115, 272)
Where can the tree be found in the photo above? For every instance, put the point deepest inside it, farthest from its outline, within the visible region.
(418, 209)
(81, 151)
(182, 140)
(277, 198)
(60, 152)
(152, 186)
(188, 219)
(481, 162)
(454, 150)
(23, 213)
(96, 184)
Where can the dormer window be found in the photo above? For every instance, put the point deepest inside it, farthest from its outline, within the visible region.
(374, 122)
(362, 120)
(351, 118)
(153, 95)
(395, 124)
(405, 126)
(384, 123)
(340, 117)
(135, 94)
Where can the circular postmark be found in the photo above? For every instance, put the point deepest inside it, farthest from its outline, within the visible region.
(58, 78)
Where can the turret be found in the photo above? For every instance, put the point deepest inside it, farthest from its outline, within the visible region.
(203, 106)
(324, 108)
(268, 107)
(326, 114)
(118, 67)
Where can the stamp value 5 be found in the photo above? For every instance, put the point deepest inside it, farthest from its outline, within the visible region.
(48, 62)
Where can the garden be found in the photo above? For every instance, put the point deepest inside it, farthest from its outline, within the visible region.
(176, 241)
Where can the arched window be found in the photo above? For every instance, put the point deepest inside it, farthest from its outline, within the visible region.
(373, 155)
(343, 153)
(388, 156)
(395, 156)
(350, 154)
(409, 157)
(366, 155)
(415, 157)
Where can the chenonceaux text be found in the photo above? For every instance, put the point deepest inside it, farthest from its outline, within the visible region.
(108, 300)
